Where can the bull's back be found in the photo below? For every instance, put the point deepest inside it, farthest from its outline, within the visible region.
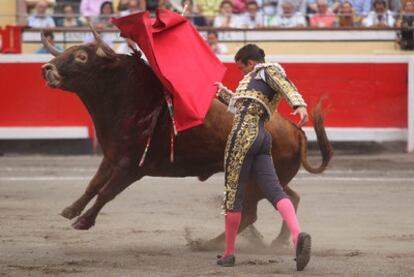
(206, 143)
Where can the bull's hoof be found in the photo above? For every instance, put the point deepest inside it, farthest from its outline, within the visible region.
(70, 213)
(83, 224)
(213, 244)
(201, 245)
(254, 236)
(280, 242)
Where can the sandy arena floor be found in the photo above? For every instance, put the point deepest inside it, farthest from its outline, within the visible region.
(360, 213)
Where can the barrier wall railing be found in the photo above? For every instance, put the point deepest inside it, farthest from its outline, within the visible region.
(77, 35)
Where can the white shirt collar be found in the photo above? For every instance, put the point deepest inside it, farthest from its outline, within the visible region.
(264, 65)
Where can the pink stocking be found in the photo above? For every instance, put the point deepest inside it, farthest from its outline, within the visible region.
(232, 222)
(287, 211)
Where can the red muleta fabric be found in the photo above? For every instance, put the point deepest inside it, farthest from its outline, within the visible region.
(180, 58)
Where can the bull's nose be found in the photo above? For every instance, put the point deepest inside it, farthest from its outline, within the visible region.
(51, 75)
(47, 67)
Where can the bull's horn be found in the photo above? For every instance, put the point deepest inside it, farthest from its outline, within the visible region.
(49, 47)
(96, 35)
(103, 49)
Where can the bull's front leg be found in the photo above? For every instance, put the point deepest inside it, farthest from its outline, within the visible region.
(283, 239)
(98, 181)
(122, 176)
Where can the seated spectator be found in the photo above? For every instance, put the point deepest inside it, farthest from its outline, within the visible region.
(152, 5)
(332, 5)
(51, 39)
(406, 18)
(195, 18)
(299, 7)
(106, 12)
(289, 17)
(379, 17)
(209, 9)
(346, 16)
(253, 18)
(324, 17)
(240, 6)
(165, 4)
(361, 7)
(217, 47)
(40, 19)
(394, 6)
(133, 7)
(122, 5)
(405, 37)
(269, 7)
(226, 18)
(91, 8)
(69, 19)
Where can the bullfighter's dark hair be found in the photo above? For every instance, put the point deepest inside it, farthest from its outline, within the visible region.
(250, 52)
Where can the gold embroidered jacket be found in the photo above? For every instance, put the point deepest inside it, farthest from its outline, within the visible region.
(267, 83)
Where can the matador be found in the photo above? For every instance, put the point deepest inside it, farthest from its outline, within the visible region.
(248, 148)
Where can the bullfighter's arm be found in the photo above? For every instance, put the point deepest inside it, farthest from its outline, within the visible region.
(278, 81)
(224, 94)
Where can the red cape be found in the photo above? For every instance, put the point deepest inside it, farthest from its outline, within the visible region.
(180, 58)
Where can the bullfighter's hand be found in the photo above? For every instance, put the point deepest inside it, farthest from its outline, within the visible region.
(220, 87)
(303, 113)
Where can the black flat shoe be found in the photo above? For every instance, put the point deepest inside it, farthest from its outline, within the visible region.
(303, 251)
(227, 261)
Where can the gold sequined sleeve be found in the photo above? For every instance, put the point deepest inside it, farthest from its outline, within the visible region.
(224, 95)
(280, 83)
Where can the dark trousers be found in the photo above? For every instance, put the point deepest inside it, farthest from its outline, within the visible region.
(258, 161)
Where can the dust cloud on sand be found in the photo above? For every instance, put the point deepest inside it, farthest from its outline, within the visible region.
(360, 215)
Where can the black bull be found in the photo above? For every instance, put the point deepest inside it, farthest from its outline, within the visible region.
(121, 93)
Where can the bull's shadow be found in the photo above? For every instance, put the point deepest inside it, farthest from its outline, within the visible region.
(123, 95)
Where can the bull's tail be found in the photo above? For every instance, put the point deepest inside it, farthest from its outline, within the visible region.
(324, 145)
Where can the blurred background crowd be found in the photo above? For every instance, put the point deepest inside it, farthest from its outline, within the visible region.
(216, 16)
(245, 14)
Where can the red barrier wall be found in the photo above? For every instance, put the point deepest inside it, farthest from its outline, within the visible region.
(360, 94)
(26, 101)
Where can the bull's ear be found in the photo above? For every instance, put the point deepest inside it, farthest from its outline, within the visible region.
(104, 51)
(109, 57)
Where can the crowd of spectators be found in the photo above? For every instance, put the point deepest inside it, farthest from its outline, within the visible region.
(243, 14)
(233, 13)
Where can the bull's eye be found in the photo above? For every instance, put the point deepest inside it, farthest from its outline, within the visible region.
(81, 57)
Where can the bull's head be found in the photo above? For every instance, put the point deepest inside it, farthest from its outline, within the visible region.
(77, 66)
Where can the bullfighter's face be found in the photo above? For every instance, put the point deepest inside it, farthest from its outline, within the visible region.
(246, 68)
(78, 66)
